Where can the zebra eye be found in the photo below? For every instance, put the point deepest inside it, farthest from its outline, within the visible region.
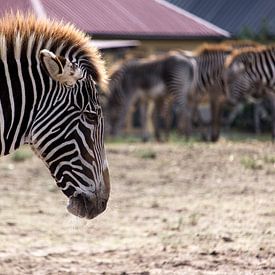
(91, 117)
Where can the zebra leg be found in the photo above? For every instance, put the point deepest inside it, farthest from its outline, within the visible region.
(271, 98)
(169, 118)
(129, 119)
(256, 116)
(273, 119)
(155, 119)
(201, 123)
(119, 127)
(216, 107)
(184, 121)
(144, 120)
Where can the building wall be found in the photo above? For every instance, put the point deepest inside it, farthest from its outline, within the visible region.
(166, 45)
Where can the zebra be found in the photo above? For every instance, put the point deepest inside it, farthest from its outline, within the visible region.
(48, 100)
(160, 79)
(249, 74)
(208, 62)
(209, 83)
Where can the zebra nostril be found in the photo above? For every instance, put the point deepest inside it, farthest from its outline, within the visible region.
(103, 205)
(82, 206)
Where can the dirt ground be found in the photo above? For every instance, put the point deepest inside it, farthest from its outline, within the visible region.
(175, 208)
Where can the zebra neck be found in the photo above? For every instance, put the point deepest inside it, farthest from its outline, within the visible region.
(22, 86)
(210, 68)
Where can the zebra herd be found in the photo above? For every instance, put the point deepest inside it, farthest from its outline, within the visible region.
(228, 72)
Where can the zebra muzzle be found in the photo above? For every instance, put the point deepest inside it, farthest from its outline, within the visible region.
(84, 207)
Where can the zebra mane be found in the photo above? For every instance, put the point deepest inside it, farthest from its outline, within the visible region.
(210, 48)
(20, 27)
(240, 43)
(241, 52)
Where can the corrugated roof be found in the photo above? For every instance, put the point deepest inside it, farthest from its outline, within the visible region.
(233, 15)
(123, 18)
(7, 5)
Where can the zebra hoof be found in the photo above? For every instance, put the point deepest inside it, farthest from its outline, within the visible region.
(83, 207)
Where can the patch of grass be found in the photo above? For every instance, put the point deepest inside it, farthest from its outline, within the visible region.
(53, 188)
(181, 139)
(180, 223)
(269, 159)
(237, 136)
(147, 154)
(252, 163)
(195, 138)
(21, 155)
(123, 139)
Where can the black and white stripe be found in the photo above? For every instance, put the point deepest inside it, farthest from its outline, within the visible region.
(159, 79)
(62, 123)
(250, 73)
(207, 83)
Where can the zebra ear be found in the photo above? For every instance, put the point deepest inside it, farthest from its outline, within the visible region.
(59, 68)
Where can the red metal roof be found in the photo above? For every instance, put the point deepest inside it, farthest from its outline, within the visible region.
(125, 18)
(7, 5)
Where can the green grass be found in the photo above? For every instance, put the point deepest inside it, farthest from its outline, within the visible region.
(174, 138)
(21, 155)
(236, 136)
(123, 139)
(146, 154)
(182, 140)
(233, 136)
(252, 163)
(269, 159)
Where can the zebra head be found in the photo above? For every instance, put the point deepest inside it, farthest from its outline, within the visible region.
(242, 83)
(67, 133)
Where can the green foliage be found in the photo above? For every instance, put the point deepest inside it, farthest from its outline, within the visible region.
(263, 35)
(246, 33)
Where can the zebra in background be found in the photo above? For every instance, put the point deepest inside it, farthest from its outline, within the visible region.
(209, 84)
(48, 100)
(250, 73)
(208, 63)
(160, 79)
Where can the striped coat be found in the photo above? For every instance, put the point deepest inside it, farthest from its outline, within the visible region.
(48, 100)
